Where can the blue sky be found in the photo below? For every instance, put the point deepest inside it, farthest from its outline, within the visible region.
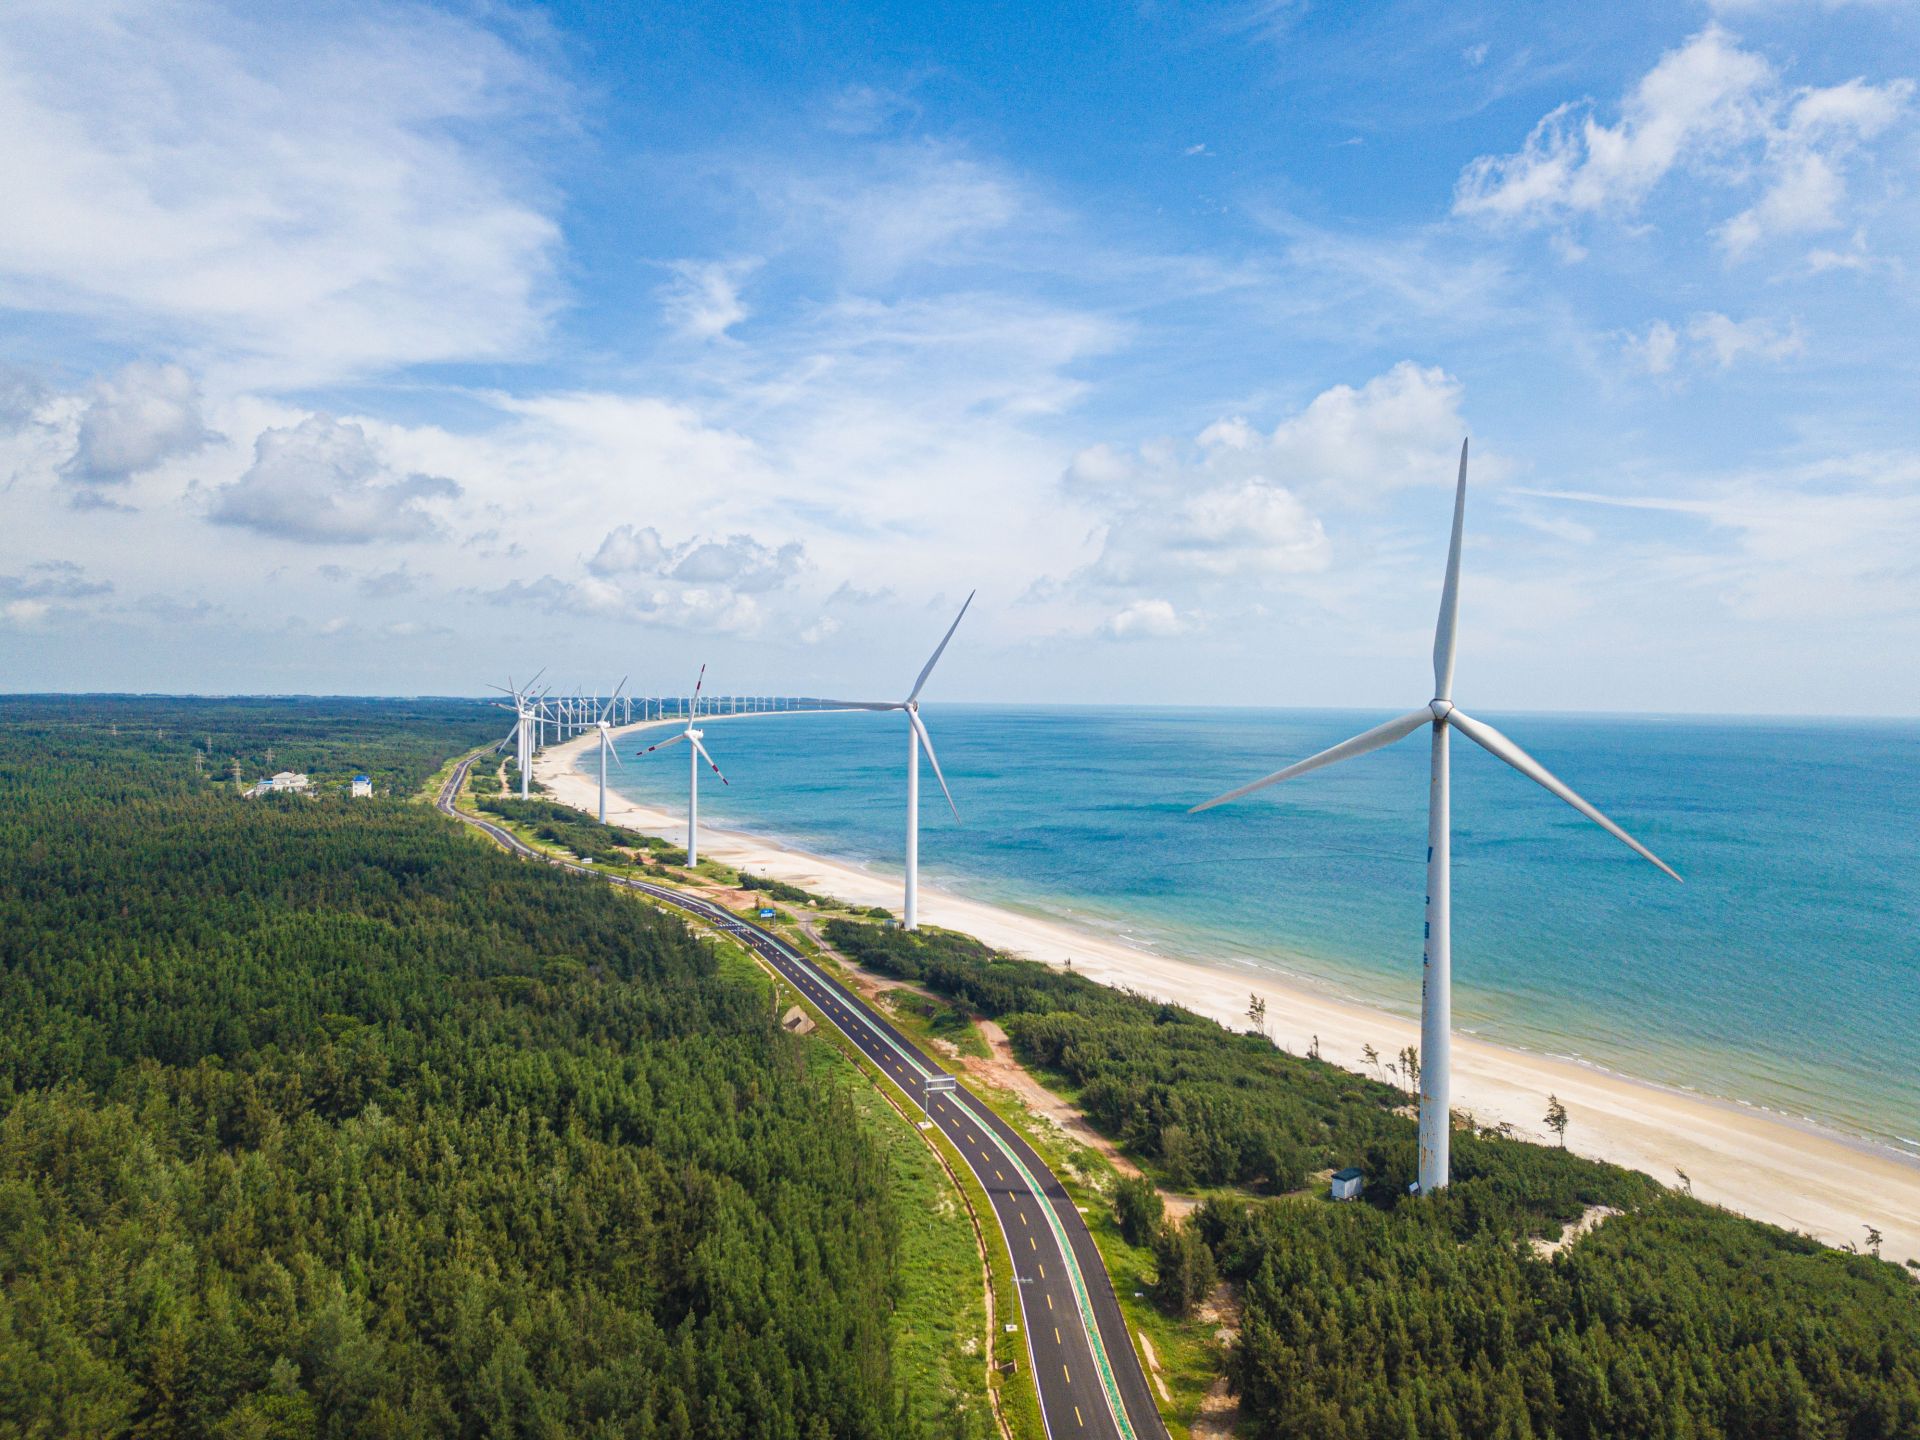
(396, 347)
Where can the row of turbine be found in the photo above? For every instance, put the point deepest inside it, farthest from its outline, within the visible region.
(1440, 715)
(572, 717)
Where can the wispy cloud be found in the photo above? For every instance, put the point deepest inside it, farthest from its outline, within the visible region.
(316, 199)
(1711, 108)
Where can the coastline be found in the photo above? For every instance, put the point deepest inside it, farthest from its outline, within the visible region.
(1760, 1163)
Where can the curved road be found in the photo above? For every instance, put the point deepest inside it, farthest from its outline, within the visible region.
(1088, 1376)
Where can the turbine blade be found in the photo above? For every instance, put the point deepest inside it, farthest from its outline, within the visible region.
(940, 649)
(710, 765)
(1377, 738)
(507, 739)
(1443, 632)
(920, 727)
(1496, 744)
(670, 740)
(607, 710)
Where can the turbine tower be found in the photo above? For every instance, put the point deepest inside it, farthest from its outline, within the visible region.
(917, 736)
(1444, 717)
(696, 754)
(605, 727)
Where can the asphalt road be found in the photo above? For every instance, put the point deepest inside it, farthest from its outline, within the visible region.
(1089, 1377)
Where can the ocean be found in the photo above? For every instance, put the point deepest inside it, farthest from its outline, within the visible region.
(1785, 972)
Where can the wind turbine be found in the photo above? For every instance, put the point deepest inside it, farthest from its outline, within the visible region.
(916, 737)
(696, 754)
(605, 727)
(1440, 713)
(522, 732)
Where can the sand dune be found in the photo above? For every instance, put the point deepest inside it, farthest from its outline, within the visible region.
(1758, 1164)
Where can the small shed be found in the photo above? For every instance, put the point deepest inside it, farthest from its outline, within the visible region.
(1346, 1183)
(796, 1021)
(362, 785)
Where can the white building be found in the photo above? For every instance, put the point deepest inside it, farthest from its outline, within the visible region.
(1346, 1184)
(361, 786)
(286, 782)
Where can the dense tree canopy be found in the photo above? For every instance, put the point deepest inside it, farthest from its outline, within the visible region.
(322, 1118)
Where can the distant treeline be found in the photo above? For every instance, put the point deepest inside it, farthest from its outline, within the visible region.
(1408, 1318)
(397, 744)
(324, 1120)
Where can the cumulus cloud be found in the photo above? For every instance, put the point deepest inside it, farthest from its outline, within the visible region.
(1247, 528)
(738, 562)
(1710, 108)
(1145, 619)
(322, 482)
(1240, 502)
(135, 420)
(629, 550)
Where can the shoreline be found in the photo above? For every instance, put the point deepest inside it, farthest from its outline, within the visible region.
(1762, 1163)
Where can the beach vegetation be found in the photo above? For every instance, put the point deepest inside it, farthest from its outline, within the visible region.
(1433, 1315)
(1137, 1209)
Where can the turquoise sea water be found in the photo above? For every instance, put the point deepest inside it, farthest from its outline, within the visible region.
(1784, 973)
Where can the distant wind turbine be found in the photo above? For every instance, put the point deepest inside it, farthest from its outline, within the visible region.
(917, 736)
(698, 753)
(1436, 993)
(522, 734)
(605, 726)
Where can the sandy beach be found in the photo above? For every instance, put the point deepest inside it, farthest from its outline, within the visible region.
(1761, 1165)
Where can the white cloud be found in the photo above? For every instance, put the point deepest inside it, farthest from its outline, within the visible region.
(907, 204)
(315, 192)
(629, 550)
(1712, 338)
(1796, 546)
(1235, 504)
(1145, 619)
(1731, 339)
(323, 482)
(135, 420)
(1698, 98)
(703, 302)
(1475, 55)
(1806, 154)
(1710, 108)
(24, 613)
(1655, 351)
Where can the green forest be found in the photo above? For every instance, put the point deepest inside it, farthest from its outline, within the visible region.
(323, 1118)
(1406, 1318)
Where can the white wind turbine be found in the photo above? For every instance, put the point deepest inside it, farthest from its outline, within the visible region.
(1436, 991)
(605, 727)
(697, 753)
(522, 734)
(917, 736)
